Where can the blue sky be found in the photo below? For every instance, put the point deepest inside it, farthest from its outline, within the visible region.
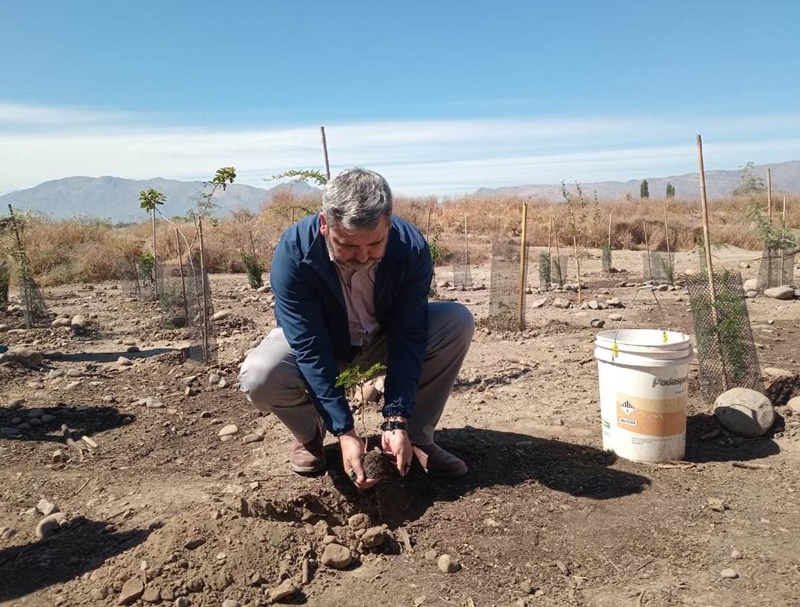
(441, 97)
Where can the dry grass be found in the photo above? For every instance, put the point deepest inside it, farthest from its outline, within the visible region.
(83, 250)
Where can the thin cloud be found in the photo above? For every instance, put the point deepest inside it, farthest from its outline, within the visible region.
(418, 157)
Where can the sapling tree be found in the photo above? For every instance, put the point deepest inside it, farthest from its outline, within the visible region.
(353, 379)
(150, 200)
(644, 189)
(670, 191)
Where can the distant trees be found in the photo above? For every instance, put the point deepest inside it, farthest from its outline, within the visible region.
(670, 193)
(644, 189)
(749, 182)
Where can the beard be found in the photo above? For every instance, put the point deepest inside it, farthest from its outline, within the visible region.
(351, 264)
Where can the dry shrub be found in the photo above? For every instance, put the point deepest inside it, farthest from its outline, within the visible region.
(84, 249)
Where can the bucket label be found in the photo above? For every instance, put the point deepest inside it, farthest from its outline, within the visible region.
(651, 416)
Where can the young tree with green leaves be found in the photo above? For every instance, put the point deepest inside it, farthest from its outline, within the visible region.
(670, 193)
(644, 189)
(150, 200)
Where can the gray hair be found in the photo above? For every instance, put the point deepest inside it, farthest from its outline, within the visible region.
(356, 199)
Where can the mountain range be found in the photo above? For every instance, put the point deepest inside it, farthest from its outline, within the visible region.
(785, 178)
(117, 199)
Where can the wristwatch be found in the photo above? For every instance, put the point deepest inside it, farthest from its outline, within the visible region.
(394, 425)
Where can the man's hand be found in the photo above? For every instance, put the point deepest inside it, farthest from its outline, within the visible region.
(352, 451)
(397, 444)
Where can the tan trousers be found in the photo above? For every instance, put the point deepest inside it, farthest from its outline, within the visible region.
(272, 381)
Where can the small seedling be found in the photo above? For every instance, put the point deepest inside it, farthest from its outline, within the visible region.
(353, 380)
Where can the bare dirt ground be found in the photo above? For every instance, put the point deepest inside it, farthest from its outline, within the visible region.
(160, 509)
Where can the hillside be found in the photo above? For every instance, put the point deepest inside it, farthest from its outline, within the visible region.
(117, 199)
(785, 178)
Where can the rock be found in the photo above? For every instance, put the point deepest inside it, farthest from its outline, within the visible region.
(286, 589)
(593, 304)
(194, 543)
(50, 524)
(61, 322)
(794, 405)
(751, 294)
(7, 533)
(228, 430)
(124, 362)
(99, 594)
(213, 379)
(78, 323)
(744, 412)
(729, 574)
(615, 317)
(614, 302)
(46, 508)
(151, 595)
(373, 537)
(750, 284)
(448, 564)
(539, 303)
(430, 555)
(597, 323)
(784, 292)
(359, 521)
(336, 556)
(221, 315)
(371, 393)
(561, 303)
(252, 438)
(132, 591)
(182, 601)
(230, 603)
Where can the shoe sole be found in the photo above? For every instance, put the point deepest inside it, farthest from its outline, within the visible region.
(308, 469)
(446, 475)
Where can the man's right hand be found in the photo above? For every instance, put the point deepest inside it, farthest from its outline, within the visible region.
(352, 451)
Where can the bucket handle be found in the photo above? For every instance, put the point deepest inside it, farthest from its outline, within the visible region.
(664, 337)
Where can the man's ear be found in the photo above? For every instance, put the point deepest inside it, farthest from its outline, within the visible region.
(323, 225)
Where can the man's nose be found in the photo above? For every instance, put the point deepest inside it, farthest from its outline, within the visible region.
(362, 255)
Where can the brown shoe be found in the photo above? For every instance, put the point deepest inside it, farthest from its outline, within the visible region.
(308, 458)
(438, 462)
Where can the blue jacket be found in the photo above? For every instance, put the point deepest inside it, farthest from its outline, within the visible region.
(310, 308)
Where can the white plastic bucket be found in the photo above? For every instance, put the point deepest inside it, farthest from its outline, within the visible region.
(643, 376)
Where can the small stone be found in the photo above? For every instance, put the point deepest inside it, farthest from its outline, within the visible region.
(336, 556)
(46, 508)
(561, 303)
(729, 574)
(132, 591)
(132, 349)
(735, 554)
(59, 457)
(448, 564)
(490, 522)
(359, 521)
(785, 292)
(230, 603)
(252, 438)
(430, 555)
(286, 589)
(194, 543)
(615, 317)
(7, 533)
(373, 537)
(539, 303)
(213, 379)
(124, 362)
(50, 524)
(716, 504)
(597, 323)
(99, 594)
(221, 315)
(151, 595)
(228, 430)
(794, 405)
(182, 601)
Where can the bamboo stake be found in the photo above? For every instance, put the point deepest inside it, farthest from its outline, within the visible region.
(155, 256)
(523, 261)
(709, 262)
(558, 260)
(666, 236)
(466, 250)
(783, 239)
(325, 154)
(204, 310)
(577, 256)
(647, 247)
(428, 229)
(769, 195)
(183, 280)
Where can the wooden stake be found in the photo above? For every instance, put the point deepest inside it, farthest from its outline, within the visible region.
(609, 229)
(577, 256)
(325, 154)
(709, 263)
(558, 259)
(428, 229)
(466, 250)
(666, 236)
(183, 280)
(769, 195)
(647, 248)
(523, 261)
(204, 311)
